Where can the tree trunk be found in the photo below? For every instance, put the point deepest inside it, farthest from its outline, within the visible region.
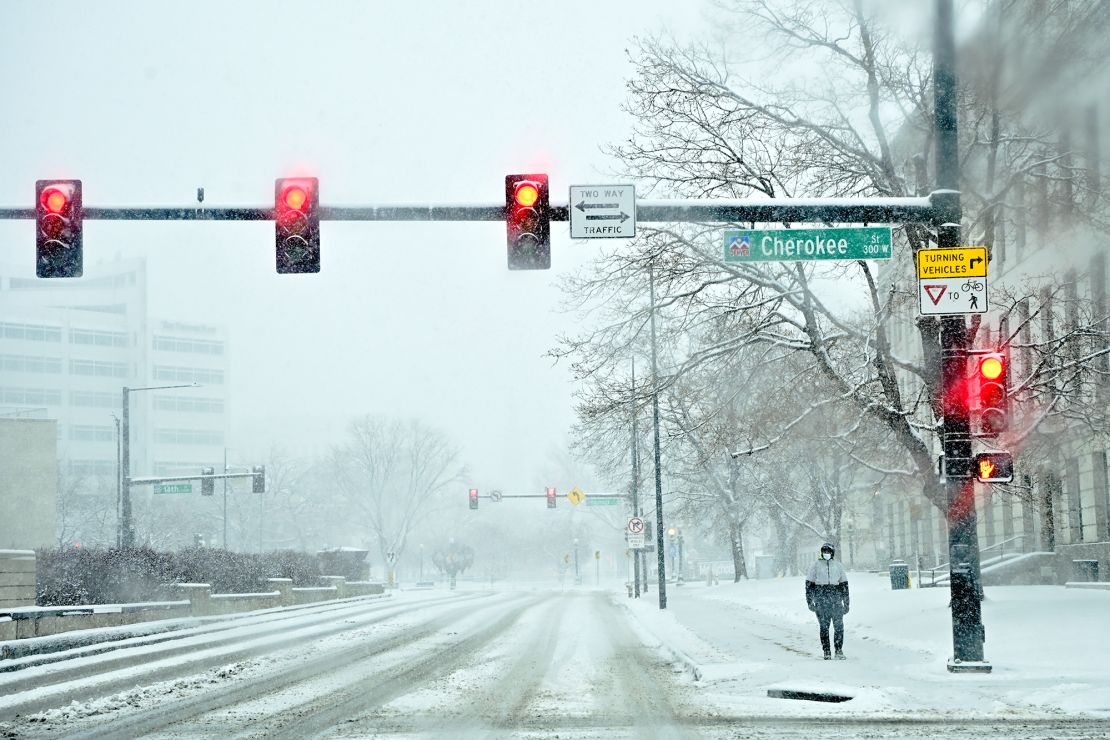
(739, 566)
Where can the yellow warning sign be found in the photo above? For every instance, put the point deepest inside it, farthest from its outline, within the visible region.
(949, 263)
(576, 496)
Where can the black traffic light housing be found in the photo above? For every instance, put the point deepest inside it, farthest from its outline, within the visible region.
(58, 229)
(528, 222)
(994, 467)
(993, 374)
(207, 483)
(258, 479)
(473, 498)
(551, 497)
(297, 224)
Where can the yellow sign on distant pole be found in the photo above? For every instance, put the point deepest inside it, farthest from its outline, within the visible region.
(576, 496)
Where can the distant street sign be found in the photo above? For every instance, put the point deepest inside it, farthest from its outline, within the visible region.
(603, 501)
(952, 281)
(495, 496)
(636, 541)
(173, 487)
(576, 496)
(635, 525)
(602, 211)
(391, 557)
(789, 245)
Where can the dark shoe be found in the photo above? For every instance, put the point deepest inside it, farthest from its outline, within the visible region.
(828, 657)
(840, 655)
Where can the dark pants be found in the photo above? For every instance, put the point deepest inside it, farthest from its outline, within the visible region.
(836, 616)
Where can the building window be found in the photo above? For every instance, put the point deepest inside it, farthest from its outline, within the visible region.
(89, 433)
(188, 437)
(92, 467)
(198, 375)
(30, 364)
(162, 467)
(1102, 490)
(30, 397)
(194, 346)
(1075, 500)
(189, 405)
(95, 399)
(98, 368)
(98, 338)
(31, 332)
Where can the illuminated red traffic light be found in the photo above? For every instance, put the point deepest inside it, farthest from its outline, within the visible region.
(295, 197)
(527, 194)
(297, 224)
(528, 222)
(474, 498)
(993, 404)
(551, 498)
(991, 367)
(54, 200)
(58, 229)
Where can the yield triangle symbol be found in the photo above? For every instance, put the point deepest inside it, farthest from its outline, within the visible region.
(935, 292)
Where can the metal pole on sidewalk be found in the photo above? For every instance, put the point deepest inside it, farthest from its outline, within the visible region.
(963, 541)
(635, 481)
(662, 574)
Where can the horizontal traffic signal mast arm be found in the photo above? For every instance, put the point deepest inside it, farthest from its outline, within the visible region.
(935, 207)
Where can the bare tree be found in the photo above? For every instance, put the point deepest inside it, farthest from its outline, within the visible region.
(704, 128)
(391, 473)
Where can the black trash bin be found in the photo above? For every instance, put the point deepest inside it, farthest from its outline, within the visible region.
(899, 575)
(1085, 571)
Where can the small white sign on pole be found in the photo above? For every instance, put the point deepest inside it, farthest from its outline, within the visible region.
(636, 541)
(602, 211)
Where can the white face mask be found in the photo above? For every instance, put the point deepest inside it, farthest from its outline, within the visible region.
(827, 555)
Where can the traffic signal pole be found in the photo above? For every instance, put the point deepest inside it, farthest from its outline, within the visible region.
(968, 634)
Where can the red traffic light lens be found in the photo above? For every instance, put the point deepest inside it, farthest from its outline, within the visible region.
(54, 200)
(991, 367)
(295, 197)
(527, 194)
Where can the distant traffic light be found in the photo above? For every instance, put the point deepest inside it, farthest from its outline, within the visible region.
(474, 498)
(528, 222)
(993, 373)
(258, 479)
(297, 224)
(994, 467)
(207, 483)
(58, 227)
(551, 498)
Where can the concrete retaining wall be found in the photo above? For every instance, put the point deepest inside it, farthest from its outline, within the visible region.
(196, 600)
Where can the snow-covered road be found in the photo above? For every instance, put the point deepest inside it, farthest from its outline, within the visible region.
(514, 663)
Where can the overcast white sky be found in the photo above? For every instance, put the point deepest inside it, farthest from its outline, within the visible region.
(384, 102)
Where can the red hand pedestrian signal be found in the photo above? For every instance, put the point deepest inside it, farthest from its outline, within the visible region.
(994, 467)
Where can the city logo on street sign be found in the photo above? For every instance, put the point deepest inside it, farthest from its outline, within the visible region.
(602, 211)
(789, 245)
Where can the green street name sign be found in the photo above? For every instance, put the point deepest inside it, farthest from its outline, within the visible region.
(173, 487)
(599, 501)
(789, 245)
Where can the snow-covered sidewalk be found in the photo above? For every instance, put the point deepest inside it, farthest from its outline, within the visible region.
(1047, 644)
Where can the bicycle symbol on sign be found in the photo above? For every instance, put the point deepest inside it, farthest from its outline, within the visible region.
(970, 286)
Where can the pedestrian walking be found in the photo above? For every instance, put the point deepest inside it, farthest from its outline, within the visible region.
(827, 597)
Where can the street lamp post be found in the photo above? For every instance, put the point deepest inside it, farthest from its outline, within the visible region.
(577, 578)
(125, 537)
